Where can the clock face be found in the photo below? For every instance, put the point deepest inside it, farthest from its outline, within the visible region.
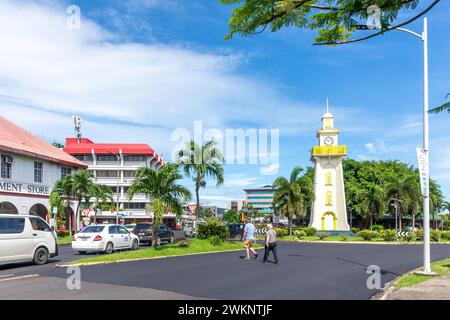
(328, 141)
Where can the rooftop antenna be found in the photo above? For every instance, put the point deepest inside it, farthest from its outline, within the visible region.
(327, 104)
(77, 126)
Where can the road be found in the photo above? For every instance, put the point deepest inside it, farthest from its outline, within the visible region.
(306, 271)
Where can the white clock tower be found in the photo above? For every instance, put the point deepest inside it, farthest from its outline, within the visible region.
(329, 211)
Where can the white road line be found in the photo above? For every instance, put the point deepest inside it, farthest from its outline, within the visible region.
(18, 278)
(5, 275)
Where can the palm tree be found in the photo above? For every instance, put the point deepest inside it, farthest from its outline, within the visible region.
(446, 206)
(371, 201)
(164, 190)
(62, 192)
(445, 106)
(102, 194)
(291, 196)
(200, 163)
(82, 183)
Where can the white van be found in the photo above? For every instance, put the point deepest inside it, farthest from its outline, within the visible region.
(26, 238)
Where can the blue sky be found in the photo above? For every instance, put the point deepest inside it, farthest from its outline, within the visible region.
(138, 70)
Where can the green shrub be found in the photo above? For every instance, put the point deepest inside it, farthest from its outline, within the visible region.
(419, 235)
(281, 232)
(410, 236)
(215, 240)
(368, 234)
(300, 233)
(344, 236)
(323, 235)
(355, 230)
(205, 231)
(445, 235)
(310, 231)
(435, 235)
(377, 227)
(389, 235)
(62, 233)
(183, 243)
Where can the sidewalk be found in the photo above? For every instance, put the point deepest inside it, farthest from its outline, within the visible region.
(433, 289)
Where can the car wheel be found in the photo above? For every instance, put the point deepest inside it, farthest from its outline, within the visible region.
(82, 252)
(109, 248)
(135, 245)
(238, 237)
(40, 256)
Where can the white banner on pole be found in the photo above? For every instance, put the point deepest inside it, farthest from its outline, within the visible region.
(422, 159)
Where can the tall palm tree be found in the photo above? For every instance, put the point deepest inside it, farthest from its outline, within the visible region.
(291, 196)
(101, 194)
(200, 163)
(82, 183)
(164, 190)
(63, 192)
(443, 107)
(371, 201)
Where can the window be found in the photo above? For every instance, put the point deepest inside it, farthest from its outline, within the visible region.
(6, 167)
(39, 225)
(327, 124)
(93, 229)
(106, 158)
(137, 205)
(122, 230)
(129, 174)
(328, 198)
(113, 230)
(134, 158)
(11, 225)
(65, 172)
(107, 173)
(38, 172)
(328, 179)
(83, 157)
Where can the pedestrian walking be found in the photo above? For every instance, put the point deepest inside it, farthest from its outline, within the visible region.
(270, 244)
(249, 239)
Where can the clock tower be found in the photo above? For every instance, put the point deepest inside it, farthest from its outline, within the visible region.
(329, 211)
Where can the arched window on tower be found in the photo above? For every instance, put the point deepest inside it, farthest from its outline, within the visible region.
(327, 124)
(328, 198)
(328, 179)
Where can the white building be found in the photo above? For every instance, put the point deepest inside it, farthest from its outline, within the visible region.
(329, 210)
(29, 169)
(115, 165)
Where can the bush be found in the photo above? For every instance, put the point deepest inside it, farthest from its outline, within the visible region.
(300, 233)
(435, 235)
(355, 230)
(344, 236)
(62, 233)
(419, 235)
(368, 234)
(410, 236)
(377, 227)
(310, 231)
(323, 235)
(212, 228)
(215, 240)
(281, 232)
(389, 235)
(445, 235)
(183, 243)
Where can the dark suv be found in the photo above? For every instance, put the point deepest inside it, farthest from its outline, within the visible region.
(144, 232)
(236, 231)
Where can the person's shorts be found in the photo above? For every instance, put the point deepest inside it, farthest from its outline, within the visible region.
(248, 244)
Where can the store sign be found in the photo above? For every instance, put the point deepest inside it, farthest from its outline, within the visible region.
(19, 187)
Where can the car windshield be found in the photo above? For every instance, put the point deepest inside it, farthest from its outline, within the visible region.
(142, 227)
(93, 229)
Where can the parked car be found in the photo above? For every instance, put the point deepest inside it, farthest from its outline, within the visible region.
(144, 232)
(104, 238)
(236, 231)
(26, 238)
(130, 227)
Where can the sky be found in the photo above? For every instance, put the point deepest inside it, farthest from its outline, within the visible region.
(139, 71)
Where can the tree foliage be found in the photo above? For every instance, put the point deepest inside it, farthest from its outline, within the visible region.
(335, 20)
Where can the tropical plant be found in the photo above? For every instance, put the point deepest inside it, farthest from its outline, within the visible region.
(291, 197)
(162, 187)
(368, 235)
(443, 107)
(371, 203)
(201, 163)
(82, 184)
(101, 194)
(61, 197)
(232, 216)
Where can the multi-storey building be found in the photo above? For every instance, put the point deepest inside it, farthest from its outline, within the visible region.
(260, 199)
(237, 205)
(115, 165)
(29, 169)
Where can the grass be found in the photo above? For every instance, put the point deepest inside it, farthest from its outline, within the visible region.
(441, 267)
(65, 240)
(169, 250)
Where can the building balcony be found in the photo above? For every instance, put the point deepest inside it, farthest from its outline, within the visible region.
(329, 151)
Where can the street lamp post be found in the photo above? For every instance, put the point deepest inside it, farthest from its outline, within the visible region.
(118, 185)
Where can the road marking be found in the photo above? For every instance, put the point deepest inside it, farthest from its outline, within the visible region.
(19, 277)
(5, 275)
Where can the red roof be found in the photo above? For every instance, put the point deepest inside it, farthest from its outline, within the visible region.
(86, 146)
(17, 140)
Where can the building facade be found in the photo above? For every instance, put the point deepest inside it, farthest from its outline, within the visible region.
(29, 169)
(329, 211)
(115, 165)
(261, 199)
(236, 205)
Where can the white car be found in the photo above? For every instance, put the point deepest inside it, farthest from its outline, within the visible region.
(26, 238)
(104, 238)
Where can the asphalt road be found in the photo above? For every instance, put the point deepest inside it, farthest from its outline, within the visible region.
(306, 271)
